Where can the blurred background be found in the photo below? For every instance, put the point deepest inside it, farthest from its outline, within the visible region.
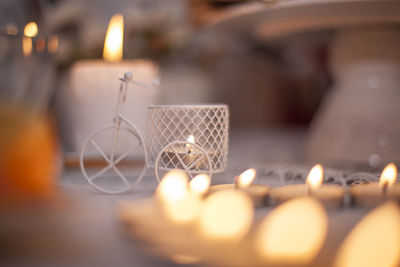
(326, 67)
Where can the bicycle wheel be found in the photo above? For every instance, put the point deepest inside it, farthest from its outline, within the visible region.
(184, 155)
(120, 173)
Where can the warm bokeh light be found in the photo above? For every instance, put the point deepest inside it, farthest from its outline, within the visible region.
(178, 205)
(200, 184)
(375, 240)
(113, 45)
(315, 177)
(31, 29)
(388, 176)
(226, 216)
(173, 186)
(184, 210)
(52, 44)
(246, 178)
(40, 44)
(294, 232)
(191, 139)
(184, 258)
(26, 46)
(29, 160)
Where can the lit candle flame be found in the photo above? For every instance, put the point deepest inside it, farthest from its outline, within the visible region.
(178, 204)
(374, 241)
(191, 139)
(114, 39)
(388, 176)
(31, 29)
(200, 184)
(173, 186)
(315, 177)
(246, 178)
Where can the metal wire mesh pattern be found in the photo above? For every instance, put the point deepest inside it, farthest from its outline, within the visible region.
(206, 126)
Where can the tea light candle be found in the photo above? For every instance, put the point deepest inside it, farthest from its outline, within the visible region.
(188, 154)
(243, 182)
(89, 102)
(328, 195)
(375, 193)
(193, 137)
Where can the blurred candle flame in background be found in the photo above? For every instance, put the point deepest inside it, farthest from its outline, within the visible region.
(27, 46)
(200, 184)
(31, 29)
(388, 176)
(173, 186)
(294, 232)
(246, 178)
(374, 241)
(178, 204)
(113, 45)
(315, 177)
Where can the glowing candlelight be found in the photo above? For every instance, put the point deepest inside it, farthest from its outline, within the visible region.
(388, 177)
(375, 193)
(329, 195)
(315, 178)
(52, 44)
(113, 45)
(178, 204)
(26, 46)
(243, 182)
(246, 178)
(200, 184)
(191, 140)
(30, 30)
(294, 232)
(173, 186)
(375, 241)
(227, 215)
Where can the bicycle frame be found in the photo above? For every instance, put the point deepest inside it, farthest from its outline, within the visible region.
(120, 118)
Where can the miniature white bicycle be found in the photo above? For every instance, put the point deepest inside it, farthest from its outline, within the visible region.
(116, 160)
(112, 160)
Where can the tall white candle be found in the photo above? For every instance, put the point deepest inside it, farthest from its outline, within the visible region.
(90, 101)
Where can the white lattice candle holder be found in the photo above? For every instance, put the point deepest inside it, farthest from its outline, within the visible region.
(189, 137)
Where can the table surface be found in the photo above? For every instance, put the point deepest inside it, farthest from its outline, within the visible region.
(85, 231)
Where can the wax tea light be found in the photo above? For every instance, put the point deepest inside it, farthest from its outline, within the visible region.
(375, 193)
(328, 195)
(243, 182)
